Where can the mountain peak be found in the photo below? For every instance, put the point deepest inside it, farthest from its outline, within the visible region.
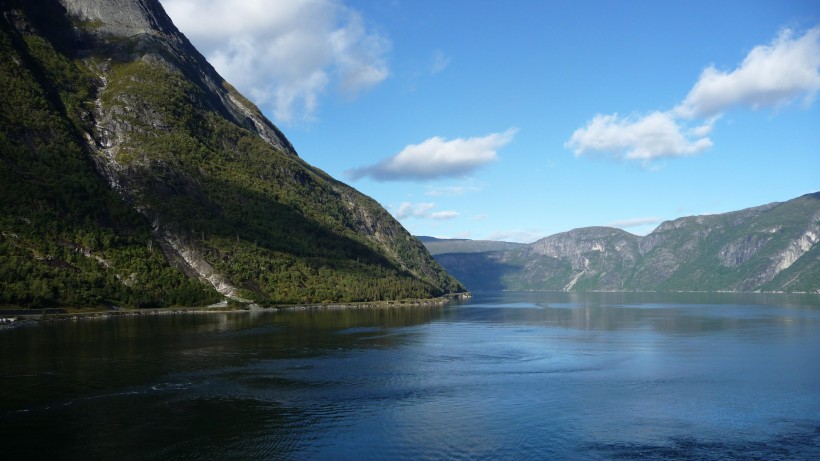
(132, 30)
(121, 18)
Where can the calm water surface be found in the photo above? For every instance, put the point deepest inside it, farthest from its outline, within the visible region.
(505, 375)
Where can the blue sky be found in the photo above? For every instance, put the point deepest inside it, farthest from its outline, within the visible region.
(517, 120)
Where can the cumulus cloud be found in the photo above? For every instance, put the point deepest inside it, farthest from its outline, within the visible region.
(286, 55)
(436, 158)
(422, 210)
(770, 76)
(645, 138)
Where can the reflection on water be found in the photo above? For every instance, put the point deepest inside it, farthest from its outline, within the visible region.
(504, 375)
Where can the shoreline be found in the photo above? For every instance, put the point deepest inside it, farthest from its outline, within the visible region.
(21, 319)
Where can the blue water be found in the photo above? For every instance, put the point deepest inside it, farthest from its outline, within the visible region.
(504, 375)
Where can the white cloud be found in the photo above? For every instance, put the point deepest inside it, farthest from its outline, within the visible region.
(408, 210)
(442, 215)
(435, 158)
(645, 138)
(285, 55)
(421, 211)
(635, 222)
(770, 76)
(451, 190)
(518, 236)
(439, 62)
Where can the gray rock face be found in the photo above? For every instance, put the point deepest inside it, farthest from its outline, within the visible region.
(151, 35)
(120, 18)
(596, 255)
(575, 244)
(739, 251)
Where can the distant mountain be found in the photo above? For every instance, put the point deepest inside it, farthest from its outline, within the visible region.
(439, 246)
(132, 174)
(772, 247)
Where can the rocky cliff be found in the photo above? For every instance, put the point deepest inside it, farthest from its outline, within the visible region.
(770, 248)
(132, 173)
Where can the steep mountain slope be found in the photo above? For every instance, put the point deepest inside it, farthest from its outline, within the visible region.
(132, 171)
(770, 248)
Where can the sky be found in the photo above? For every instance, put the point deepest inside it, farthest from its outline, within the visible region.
(515, 120)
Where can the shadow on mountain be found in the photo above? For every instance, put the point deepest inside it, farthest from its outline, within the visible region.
(478, 271)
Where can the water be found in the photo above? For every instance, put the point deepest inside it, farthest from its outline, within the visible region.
(505, 375)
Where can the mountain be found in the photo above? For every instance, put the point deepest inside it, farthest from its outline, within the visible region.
(132, 174)
(772, 247)
(440, 246)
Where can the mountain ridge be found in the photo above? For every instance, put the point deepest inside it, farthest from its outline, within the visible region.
(772, 247)
(437, 246)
